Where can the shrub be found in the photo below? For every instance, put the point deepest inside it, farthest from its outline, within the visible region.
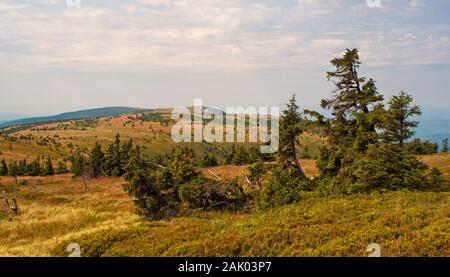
(206, 193)
(209, 160)
(161, 192)
(419, 147)
(284, 187)
(382, 168)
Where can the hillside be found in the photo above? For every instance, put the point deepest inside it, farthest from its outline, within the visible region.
(92, 113)
(57, 211)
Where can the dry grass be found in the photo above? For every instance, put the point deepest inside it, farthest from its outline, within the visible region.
(53, 209)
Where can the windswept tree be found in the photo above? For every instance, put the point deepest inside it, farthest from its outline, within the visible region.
(398, 126)
(290, 129)
(355, 103)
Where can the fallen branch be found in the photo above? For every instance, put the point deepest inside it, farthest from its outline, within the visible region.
(215, 175)
(248, 180)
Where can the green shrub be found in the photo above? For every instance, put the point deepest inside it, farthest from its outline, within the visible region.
(206, 193)
(285, 186)
(382, 168)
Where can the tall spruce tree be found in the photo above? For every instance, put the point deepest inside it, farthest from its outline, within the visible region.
(290, 129)
(357, 109)
(96, 162)
(398, 127)
(79, 165)
(113, 160)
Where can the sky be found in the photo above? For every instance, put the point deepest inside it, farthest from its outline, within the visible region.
(57, 57)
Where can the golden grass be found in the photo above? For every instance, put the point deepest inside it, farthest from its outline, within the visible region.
(53, 209)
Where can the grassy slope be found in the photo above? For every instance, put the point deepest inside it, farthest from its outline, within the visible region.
(56, 212)
(66, 137)
(415, 224)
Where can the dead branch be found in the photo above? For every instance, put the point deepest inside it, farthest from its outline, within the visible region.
(86, 188)
(15, 207)
(215, 175)
(247, 179)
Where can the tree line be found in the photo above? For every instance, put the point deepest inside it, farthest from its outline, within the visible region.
(35, 168)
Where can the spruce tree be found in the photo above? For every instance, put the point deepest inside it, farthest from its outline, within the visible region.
(356, 108)
(79, 166)
(290, 129)
(96, 162)
(398, 127)
(113, 160)
(3, 168)
(48, 169)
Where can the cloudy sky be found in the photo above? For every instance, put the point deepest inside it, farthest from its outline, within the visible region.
(163, 53)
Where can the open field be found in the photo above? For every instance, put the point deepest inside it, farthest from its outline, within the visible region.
(56, 211)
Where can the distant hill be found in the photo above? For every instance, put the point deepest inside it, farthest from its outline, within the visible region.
(434, 125)
(92, 113)
(5, 117)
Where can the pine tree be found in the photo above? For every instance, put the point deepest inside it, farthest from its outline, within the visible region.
(34, 168)
(357, 111)
(79, 166)
(3, 168)
(96, 162)
(48, 169)
(445, 146)
(113, 160)
(290, 129)
(22, 168)
(397, 126)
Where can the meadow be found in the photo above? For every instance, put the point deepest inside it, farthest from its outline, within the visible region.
(56, 211)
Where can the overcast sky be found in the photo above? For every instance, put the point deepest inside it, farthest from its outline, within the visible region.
(164, 53)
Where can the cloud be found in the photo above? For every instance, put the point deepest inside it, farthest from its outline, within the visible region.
(217, 33)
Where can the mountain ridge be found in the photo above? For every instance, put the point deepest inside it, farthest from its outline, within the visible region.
(81, 114)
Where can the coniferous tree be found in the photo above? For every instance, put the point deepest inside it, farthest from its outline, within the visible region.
(355, 104)
(34, 168)
(78, 167)
(22, 168)
(113, 160)
(48, 169)
(208, 160)
(3, 168)
(444, 146)
(96, 162)
(398, 127)
(290, 129)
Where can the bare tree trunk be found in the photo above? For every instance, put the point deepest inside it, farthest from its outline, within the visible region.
(297, 164)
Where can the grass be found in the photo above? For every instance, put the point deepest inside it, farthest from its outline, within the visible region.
(56, 211)
(415, 224)
(53, 209)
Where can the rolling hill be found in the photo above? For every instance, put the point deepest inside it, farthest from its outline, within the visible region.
(91, 113)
